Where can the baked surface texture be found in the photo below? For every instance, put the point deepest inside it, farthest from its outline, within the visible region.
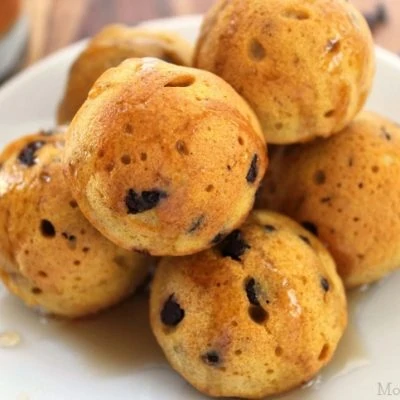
(111, 46)
(257, 315)
(305, 67)
(346, 189)
(50, 256)
(164, 159)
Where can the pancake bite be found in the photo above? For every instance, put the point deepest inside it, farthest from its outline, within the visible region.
(50, 256)
(164, 159)
(114, 44)
(257, 315)
(305, 67)
(346, 190)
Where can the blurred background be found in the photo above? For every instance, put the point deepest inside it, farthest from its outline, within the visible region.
(32, 29)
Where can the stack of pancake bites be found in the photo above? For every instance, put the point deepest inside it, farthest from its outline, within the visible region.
(163, 154)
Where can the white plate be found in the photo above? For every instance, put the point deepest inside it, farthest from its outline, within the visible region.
(114, 356)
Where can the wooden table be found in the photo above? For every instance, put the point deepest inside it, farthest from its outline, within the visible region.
(57, 23)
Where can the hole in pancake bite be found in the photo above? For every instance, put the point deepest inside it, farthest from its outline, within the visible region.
(126, 159)
(333, 45)
(211, 358)
(209, 188)
(329, 114)
(109, 167)
(305, 239)
(47, 228)
(386, 134)
(298, 14)
(182, 148)
(323, 355)
(256, 50)
(181, 81)
(270, 228)
(375, 169)
(143, 156)
(73, 204)
(128, 128)
(325, 284)
(196, 224)
(319, 177)
(278, 351)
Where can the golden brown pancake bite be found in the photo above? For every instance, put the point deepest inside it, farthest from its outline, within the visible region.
(51, 256)
(257, 315)
(164, 159)
(305, 67)
(345, 189)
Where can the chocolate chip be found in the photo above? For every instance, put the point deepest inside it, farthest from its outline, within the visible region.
(211, 358)
(47, 228)
(172, 314)
(250, 287)
(196, 224)
(305, 239)
(148, 199)
(269, 228)
(258, 314)
(326, 199)
(325, 284)
(27, 155)
(253, 171)
(310, 227)
(217, 238)
(234, 245)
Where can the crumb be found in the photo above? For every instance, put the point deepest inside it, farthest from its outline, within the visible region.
(9, 339)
